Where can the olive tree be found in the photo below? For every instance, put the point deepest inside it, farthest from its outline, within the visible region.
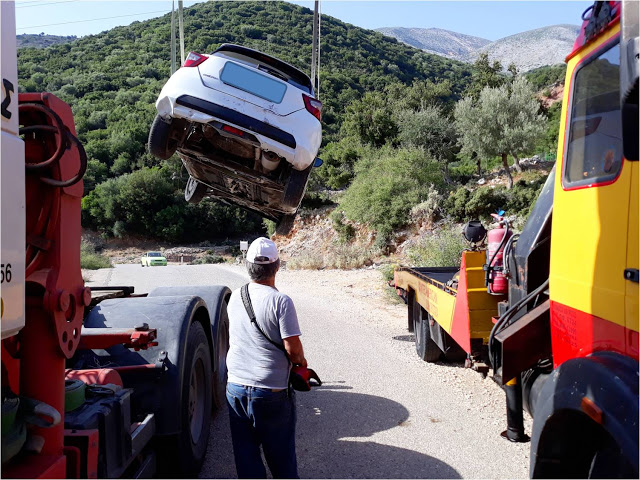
(432, 131)
(503, 121)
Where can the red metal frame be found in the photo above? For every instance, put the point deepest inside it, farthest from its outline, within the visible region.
(55, 292)
(102, 338)
(575, 333)
(87, 441)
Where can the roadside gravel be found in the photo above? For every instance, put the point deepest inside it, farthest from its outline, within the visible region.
(381, 412)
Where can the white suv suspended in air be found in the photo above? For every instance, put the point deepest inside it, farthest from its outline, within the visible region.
(246, 126)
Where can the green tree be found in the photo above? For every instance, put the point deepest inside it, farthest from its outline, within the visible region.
(485, 74)
(371, 120)
(432, 131)
(504, 120)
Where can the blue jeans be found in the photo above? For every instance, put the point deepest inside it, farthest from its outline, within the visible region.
(259, 416)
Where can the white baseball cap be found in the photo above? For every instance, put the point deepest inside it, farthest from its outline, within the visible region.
(262, 251)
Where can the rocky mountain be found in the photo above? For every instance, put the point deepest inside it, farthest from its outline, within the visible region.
(533, 48)
(438, 41)
(527, 50)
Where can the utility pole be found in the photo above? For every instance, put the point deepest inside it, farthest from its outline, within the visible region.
(315, 48)
(181, 31)
(173, 37)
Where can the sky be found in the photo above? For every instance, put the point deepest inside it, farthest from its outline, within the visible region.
(489, 20)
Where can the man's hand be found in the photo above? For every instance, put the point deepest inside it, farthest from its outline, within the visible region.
(293, 345)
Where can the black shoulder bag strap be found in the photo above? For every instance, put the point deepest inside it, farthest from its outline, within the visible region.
(244, 294)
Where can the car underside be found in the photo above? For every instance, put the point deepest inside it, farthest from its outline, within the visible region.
(231, 164)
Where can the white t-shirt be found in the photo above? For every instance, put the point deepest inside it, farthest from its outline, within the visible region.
(252, 360)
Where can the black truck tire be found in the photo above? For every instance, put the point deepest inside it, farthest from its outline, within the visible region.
(161, 144)
(221, 332)
(197, 398)
(194, 191)
(426, 348)
(182, 455)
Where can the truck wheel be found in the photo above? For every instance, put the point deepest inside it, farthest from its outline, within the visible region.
(194, 191)
(161, 144)
(426, 348)
(220, 373)
(190, 445)
(294, 190)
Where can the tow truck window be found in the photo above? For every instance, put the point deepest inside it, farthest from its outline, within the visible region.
(594, 148)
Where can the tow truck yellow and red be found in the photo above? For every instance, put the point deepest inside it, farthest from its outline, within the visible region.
(561, 330)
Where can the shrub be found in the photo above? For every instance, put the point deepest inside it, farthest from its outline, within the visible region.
(91, 260)
(208, 258)
(338, 255)
(388, 183)
(485, 201)
(429, 210)
(387, 271)
(442, 249)
(463, 205)
(269, 227)
(456, 204)
(345, 231)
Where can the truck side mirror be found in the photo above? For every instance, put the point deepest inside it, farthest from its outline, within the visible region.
(629, 55)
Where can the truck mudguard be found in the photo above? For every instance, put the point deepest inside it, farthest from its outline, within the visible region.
(609, 383)
(158, 392)
(214, 296)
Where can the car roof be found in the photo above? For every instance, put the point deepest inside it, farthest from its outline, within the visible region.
(297, 75)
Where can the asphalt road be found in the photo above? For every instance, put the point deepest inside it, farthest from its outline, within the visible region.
(381, 412)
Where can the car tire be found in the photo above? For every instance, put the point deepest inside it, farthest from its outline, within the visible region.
(285, 224)
(194, 191)
(161, 144)
(294, 190)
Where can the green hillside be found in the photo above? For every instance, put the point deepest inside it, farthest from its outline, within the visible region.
(41, 40)
(112, 80)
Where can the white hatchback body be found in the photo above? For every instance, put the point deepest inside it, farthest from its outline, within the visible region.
(270, 108)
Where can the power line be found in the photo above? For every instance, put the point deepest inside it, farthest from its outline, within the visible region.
(91, 20)
(43, 4)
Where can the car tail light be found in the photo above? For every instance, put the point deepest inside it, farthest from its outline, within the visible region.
(235, 131)
(313, 106)
(194, 59)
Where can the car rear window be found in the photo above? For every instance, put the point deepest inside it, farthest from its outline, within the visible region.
(253, 82)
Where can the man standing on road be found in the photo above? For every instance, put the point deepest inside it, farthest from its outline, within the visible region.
(261, 403)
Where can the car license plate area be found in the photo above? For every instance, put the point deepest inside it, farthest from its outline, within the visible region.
(253, 82)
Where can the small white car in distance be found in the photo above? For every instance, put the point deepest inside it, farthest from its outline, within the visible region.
(153, 259)
(246, 126)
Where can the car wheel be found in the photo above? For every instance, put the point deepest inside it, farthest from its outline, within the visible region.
(161, 144)
(194, 191)
(294, 190)
(285, 224)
